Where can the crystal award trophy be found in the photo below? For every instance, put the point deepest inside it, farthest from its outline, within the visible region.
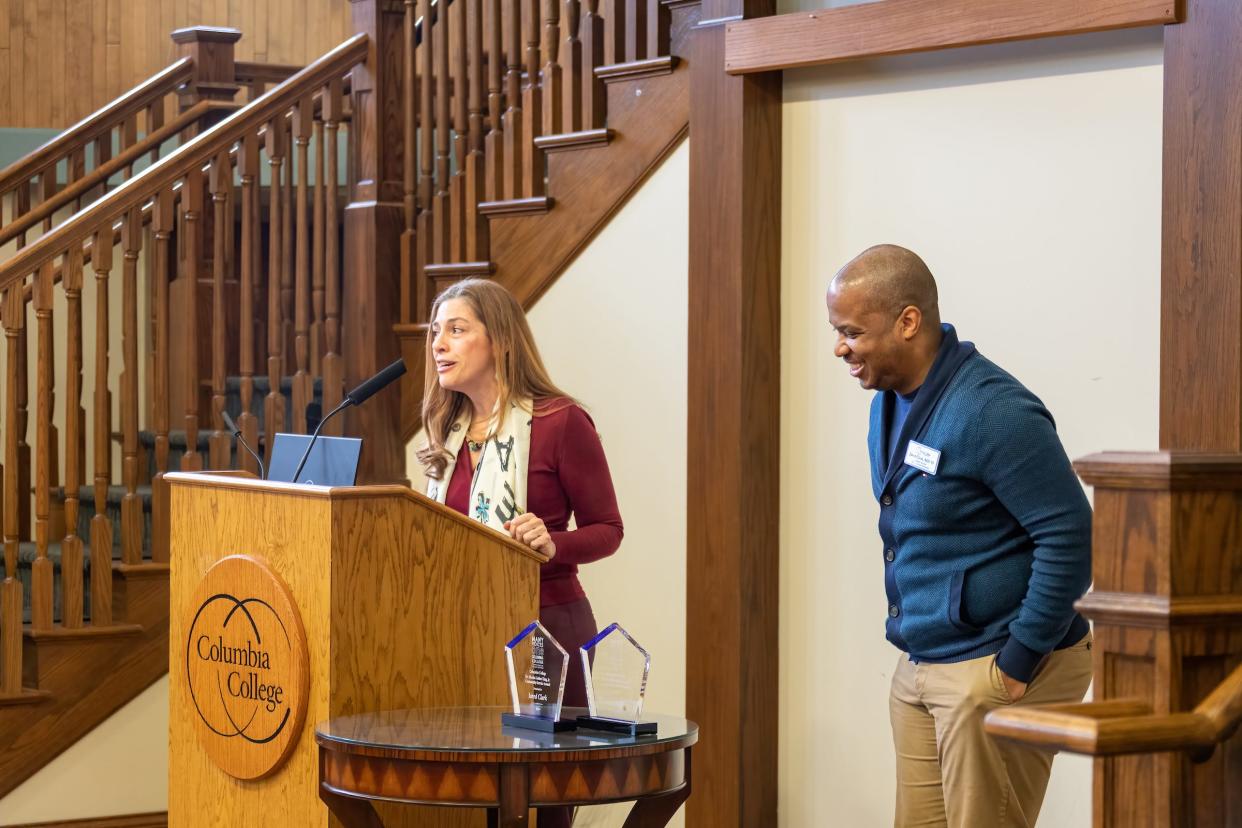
(616, 669)
(537, 669)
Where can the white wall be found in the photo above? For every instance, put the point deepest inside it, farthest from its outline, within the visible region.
(120, 767)
(1028, 176)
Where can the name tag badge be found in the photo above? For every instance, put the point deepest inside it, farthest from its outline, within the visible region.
(923, 458)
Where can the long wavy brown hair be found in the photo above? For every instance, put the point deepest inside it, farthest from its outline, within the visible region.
(520, 373)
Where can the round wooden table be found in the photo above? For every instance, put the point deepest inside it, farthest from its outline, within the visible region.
(463, 756)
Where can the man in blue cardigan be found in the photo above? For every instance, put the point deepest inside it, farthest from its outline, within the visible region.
(986, 545)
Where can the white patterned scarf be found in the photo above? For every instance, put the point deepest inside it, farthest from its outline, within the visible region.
(498, 490)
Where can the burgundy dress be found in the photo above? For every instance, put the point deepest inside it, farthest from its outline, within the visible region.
(568, 475)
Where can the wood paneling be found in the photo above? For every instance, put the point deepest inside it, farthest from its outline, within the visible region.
(734, 414)
(894, 27)
(152, 820)
(60, 60)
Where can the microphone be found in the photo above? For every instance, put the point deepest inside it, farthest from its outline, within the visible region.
(357, 396)
(237, 435)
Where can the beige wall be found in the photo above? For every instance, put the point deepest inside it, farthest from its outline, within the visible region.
(1028, 176)
(120, 767)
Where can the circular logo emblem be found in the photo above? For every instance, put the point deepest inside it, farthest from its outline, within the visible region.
(246, 666)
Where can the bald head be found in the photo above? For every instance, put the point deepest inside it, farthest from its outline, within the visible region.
(888, 279)
(884, 308)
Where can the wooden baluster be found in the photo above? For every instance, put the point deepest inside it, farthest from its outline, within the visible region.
(48, 187)
(317, 241)
(657, 29)
(410, 274)
(303, 382)
(553, 92)
(635, 30)
(11, 592)
(77, 170)
(23, 418)
(333, 366)
(594, 94)
(246, 421)
(129, 137)
(441, 242)
(155, 120)
(103, 154)
(131, 503)
(461, 129)
(286, 255)
(23, 207)
(513, 116)
(571, 71)
(614, 31)
(41, 569)
(101, 527)
(274, 404)
(162, 220)
(532, 103)
(221, 182)
(426, 138)
(476, 185)
(494, 144)
(192, 227)
(71, 544)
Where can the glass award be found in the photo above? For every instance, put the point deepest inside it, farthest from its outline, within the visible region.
(537, 667)
(616, 670)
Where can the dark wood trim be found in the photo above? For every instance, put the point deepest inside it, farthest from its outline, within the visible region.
(1201, 250)
(895, 27)
(157, 819)
(733, 463)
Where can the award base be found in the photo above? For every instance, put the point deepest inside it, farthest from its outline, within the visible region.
(536, 723)
(616, 726)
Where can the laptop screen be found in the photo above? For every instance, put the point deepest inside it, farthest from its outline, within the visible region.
(332, 462)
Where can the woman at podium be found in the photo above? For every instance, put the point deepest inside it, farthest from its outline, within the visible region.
(511, 450)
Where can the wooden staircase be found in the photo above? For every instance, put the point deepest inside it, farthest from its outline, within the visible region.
(240, 238)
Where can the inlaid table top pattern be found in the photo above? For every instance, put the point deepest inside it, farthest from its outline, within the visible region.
(463, 756)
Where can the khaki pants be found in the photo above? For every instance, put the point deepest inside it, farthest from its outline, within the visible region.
(951, 773)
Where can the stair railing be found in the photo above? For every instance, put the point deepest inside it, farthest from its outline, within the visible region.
(234, 301)
(91, 144)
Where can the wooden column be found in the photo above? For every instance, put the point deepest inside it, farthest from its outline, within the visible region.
(1167, 599)
(734, 426)
(373, 226)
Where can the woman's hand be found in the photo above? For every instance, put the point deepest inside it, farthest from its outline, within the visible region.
(527, 528)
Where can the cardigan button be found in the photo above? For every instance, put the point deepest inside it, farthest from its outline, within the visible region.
(893, 611)
(887, 500)
(889, 555)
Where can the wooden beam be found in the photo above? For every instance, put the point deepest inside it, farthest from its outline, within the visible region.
(732, 549)
(894, 27)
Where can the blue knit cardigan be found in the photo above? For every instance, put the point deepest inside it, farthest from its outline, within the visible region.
(988, 554)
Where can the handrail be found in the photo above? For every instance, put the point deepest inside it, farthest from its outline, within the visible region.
(102, 173)
(173, 166)
(103, 118)
(247, 71)
(1124, 726)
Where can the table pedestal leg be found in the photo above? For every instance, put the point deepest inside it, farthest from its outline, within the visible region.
(656, 811)
(353, 813)
(514, 807)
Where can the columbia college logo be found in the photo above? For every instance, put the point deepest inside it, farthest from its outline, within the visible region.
(246, 667)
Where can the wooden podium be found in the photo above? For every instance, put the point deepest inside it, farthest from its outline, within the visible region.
(403, 603)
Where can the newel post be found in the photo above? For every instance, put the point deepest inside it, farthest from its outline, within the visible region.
(212, 50)
(374, 220)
